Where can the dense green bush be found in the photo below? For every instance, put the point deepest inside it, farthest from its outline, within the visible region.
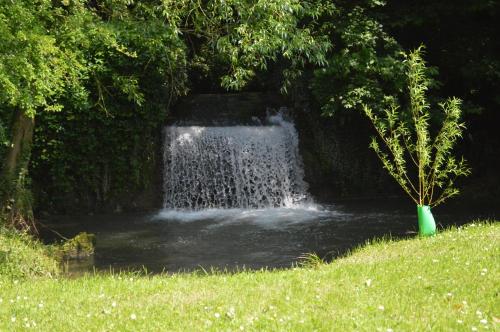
(102, 145)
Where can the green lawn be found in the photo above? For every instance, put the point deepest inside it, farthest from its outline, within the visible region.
(449, 282)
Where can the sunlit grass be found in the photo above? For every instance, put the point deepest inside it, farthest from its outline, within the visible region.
(449, 282)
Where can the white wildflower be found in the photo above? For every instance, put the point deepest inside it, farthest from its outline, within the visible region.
(381, 307)
(483, 321)
(133, 317)
(368, 282)
(231, 312)
(217, 315)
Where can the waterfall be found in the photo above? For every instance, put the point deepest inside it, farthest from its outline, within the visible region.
(233, 167)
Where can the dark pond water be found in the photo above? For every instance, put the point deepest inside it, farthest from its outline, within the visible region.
(227, 239)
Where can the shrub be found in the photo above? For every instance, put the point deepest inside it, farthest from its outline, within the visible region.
(423, 166)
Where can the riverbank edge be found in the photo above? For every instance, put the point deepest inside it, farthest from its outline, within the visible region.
(446, 282)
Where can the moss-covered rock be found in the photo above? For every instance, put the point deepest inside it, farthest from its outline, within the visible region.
(82, 245)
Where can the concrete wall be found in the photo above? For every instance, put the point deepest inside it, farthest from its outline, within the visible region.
(224, 109)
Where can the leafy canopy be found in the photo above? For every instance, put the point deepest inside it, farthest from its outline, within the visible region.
(34, 68)
(245, 36)
(364, 65)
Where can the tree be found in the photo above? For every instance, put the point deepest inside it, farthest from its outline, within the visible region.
(407, 142)
(364, 65)
(34, 70)
(244, 37)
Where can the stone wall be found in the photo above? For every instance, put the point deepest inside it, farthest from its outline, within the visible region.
(224, 109)
(337, 160)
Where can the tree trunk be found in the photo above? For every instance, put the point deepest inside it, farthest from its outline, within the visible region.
(15, 198)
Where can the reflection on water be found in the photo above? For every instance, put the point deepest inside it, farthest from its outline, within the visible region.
(183, 241)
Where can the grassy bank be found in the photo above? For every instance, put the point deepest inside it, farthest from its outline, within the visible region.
(446, 283)
(23, 257)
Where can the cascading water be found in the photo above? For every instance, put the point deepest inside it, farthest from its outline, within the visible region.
(245, 167)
